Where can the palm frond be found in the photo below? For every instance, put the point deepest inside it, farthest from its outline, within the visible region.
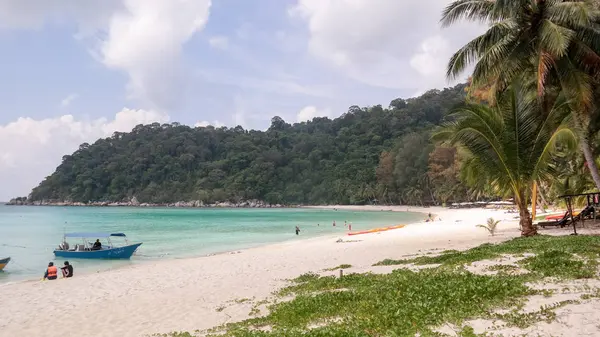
(503, 62)
(548, 39)
(498, 34)
(576, 84)
(472, 10)
(555, 39)
(545, 63)
(576, 14)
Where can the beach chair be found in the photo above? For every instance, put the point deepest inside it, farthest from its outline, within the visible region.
(586, 213)
(564, 221)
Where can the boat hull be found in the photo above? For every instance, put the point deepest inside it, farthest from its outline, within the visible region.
(124, 252)
(4, 262)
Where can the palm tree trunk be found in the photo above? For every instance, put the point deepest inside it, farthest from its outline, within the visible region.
(543, 201)
(525, 221)
(590, 160)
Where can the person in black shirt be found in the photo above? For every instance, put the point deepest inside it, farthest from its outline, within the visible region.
(67, 270)
(97, 245)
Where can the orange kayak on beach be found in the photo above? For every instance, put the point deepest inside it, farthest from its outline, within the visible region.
(376, 230)
(559, 216)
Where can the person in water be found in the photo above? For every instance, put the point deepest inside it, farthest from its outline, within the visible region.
(51, 272)
(297, 230)
(97, 245)
(67, 270)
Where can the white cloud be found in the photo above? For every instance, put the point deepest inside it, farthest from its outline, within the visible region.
(31, 149)
(394, 44)
(309, 112)
(68, 100)
(215, 123)
(219, 42)
(143, 38)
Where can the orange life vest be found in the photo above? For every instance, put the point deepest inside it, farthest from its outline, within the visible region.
(52, 271)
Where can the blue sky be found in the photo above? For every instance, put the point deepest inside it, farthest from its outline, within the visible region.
(77, 70)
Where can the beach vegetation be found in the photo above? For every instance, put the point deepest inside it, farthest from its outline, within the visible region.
(405, 302)
(341, 266)
(491, 226)
(504, 268)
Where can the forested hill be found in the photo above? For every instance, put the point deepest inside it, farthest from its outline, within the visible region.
(367, 154)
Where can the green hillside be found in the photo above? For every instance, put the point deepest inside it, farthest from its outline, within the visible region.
(367, 154)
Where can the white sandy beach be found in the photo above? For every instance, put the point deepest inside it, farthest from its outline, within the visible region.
(184, 294)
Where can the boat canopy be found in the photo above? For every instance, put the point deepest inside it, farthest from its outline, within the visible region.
(93, 235)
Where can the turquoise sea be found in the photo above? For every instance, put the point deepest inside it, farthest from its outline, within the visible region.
(29, 234)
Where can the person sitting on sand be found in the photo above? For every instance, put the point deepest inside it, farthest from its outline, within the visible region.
(51, 272)
(67, 270)
(97, 245)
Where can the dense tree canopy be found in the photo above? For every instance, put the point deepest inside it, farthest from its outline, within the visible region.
(366, 155)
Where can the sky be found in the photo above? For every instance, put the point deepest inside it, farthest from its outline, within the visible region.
(74, 71)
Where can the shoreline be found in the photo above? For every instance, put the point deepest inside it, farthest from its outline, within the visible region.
(222, 252)
(190, 290)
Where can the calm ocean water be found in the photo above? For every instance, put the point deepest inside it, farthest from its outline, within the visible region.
(29, 234)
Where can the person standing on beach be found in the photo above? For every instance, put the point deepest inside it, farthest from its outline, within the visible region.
(297, 230)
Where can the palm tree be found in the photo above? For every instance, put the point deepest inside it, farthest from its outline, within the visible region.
(511, 144)
(413, 195)
(490, 226)
(555, 42)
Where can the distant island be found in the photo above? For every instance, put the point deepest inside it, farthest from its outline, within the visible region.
(367, 155)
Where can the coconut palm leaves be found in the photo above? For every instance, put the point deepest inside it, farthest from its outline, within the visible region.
(542, 37)
(554, 42)
(511, 144)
